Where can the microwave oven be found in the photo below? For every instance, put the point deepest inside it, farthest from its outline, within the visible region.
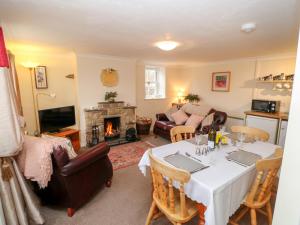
(265, 106)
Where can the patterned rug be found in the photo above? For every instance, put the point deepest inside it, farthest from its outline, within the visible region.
(125, 155)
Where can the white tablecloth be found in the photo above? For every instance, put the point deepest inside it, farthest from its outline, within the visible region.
(221, 187)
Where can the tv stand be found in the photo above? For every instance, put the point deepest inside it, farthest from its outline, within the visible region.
(71, 134)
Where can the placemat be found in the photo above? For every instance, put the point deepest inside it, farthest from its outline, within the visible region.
(185, 163)
(243, 157)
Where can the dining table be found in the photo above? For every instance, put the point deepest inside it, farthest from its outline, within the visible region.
(220, 188)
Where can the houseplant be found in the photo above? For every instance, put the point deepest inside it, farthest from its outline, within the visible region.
(110, 96)
(192, 98)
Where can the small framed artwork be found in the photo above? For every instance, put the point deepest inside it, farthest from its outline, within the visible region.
(40, 77)
(220, 81)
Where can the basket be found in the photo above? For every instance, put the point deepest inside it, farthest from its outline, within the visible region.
(143, 126)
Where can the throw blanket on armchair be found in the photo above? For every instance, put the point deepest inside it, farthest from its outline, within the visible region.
(35, 159)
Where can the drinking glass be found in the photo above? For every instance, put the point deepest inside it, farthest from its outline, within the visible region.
(241, 138)
(198, 138)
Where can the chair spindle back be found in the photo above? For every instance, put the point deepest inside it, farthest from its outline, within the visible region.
(251, 132)
(180, 133)
(267, 169)
(163, 177)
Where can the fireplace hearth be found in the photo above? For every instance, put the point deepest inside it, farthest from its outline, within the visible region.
(111, 128)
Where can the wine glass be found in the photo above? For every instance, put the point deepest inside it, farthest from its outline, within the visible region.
(241, 138)
(198, 138)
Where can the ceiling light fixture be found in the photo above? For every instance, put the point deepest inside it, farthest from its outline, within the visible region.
(248, 27)
(166, 45)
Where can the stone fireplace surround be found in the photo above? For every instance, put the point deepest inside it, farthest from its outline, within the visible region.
(106, 110)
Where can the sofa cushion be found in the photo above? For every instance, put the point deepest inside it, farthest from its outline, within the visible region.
(207, 121)
(194, 120)
(170, 112)
(180, 117)
(61, 156)
(196, 109)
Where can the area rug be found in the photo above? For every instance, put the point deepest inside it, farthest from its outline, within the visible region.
(129, 154)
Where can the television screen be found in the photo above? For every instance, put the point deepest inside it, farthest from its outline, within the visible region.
(52, 120)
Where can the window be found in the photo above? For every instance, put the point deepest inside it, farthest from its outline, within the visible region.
(155, 82)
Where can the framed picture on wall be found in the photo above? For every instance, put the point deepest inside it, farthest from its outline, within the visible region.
(40, 76)
(220, 81)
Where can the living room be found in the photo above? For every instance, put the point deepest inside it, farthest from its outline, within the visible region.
(240, 68)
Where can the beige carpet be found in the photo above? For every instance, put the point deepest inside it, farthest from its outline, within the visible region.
(126, 203)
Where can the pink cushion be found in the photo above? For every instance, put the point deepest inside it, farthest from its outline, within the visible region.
(194, 121)
(170, 112)
(180, 117)
(208, 120)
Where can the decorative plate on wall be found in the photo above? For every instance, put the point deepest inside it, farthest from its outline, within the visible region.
(109, 77)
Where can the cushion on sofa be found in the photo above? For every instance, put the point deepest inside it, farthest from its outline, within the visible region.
(207, 121)
(180, 117)
(61, 156)
(194, 120)
(201, 110)
(169, 113)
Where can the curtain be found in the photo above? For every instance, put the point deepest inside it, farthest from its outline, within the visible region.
(15, 81)
(18, 205)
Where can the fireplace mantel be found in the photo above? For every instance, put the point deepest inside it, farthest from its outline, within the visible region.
(96, 117)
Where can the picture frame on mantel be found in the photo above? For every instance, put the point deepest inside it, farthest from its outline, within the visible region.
(221, 81)
(40, 76)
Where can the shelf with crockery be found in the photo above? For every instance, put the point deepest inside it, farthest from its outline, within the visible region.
(279, 82)
(275, 81)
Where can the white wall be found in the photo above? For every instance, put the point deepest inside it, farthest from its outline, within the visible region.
(57, 66)
(287, 208)
(234, 102)
(90, 89)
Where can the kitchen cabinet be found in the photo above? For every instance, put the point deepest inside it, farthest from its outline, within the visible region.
(274, 123)
(269, 125)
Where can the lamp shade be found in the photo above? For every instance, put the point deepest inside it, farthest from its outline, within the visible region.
(3, 53)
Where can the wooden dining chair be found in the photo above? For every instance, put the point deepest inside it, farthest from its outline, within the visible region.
(170, 201)
(180, 133)
(259, 195)
(251, 132)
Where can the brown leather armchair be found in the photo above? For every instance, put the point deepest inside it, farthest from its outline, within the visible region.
(75, 182)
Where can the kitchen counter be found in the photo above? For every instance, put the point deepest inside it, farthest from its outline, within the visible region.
(277, 115)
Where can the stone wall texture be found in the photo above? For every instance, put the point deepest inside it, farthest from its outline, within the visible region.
(105, 110)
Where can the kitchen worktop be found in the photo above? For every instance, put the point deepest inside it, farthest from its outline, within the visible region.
(277, 115)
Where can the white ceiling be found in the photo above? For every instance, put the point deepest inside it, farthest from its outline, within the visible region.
(209, 30)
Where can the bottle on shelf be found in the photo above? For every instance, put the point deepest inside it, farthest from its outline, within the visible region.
(212, 137)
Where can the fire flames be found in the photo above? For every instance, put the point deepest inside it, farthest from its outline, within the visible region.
(109, 131)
